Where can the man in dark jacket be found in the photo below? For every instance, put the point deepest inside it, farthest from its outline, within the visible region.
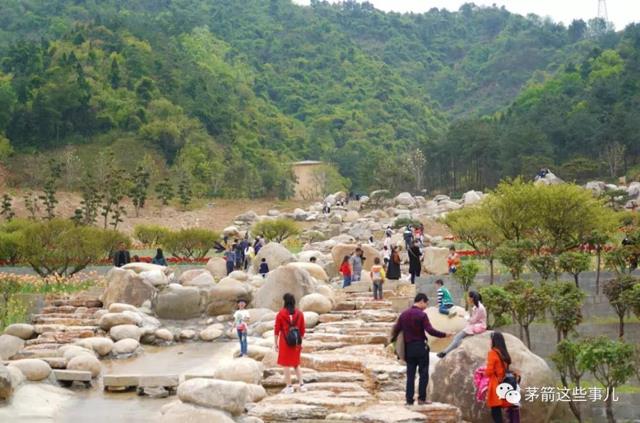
(413, 323)
(121, 257)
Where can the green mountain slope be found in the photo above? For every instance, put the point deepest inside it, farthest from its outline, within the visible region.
(230, 92)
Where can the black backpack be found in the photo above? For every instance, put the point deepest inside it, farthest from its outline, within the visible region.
(510, 377)
(293, 337)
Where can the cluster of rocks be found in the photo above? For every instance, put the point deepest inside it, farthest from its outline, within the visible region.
(360, 219)
(632, 191)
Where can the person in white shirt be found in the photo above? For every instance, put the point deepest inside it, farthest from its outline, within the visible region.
(240, 319)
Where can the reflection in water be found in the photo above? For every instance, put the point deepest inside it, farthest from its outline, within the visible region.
(97, 406)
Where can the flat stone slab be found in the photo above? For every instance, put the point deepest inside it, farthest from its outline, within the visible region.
(141, 381)
(119, 381)
(165, 381)
(72, 375)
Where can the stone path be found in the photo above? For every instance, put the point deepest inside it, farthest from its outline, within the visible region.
(61, 322)
(348, 372)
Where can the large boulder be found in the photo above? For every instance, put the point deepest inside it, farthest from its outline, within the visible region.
(314, 270)
(596, 187)
(444, 324)
(214, 393)
(33, 369)
(140, 267)
(124, 332)
(109, 320)
(180, 412)
(405, 199)
(240, 370)
(9, 346)
(315, 302)
(203, 281)
(284, 279)
(217, 266)
(275, 254)
(339, 251)
(435, 260)
(126, 286)
(6, 386)
(177, 302)
(191, 274)
(125, 346)
(472, 197)
(100, 345)
(633, 190)
(21, 330)
(223, 298)
(85, 362)
(156, 277)
(549, 179)
(452, 380)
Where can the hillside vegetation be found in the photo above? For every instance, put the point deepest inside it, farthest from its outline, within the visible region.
(227, 93)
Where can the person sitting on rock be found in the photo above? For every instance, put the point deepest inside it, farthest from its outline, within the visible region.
(288, 334)
(240, 319)
(264, 267)
(345, 269)
(476, 324)
(414, 324)
(159, 258)
(445, 302)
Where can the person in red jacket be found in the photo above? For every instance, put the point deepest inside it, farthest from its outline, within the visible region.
(498, 360)
(289, 356)
(345, 269)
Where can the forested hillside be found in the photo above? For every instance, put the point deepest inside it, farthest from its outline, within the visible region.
(227, 93)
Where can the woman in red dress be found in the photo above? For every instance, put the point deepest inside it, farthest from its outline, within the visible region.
(289, 356)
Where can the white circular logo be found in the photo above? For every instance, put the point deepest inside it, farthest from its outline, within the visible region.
(506, 392)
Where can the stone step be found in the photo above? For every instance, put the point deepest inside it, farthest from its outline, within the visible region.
(72, 376)
(38, 351)
(60, 337)
(67, 310)
(78, 302)
(36, 318)
(351, 339)
(44, 328)
(66, 321)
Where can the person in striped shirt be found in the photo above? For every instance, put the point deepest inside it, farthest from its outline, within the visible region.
(445, 302)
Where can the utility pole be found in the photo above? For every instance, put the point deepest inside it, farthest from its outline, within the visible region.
(602, 10)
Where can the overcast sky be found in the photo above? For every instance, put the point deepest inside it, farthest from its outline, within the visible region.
(621, 12)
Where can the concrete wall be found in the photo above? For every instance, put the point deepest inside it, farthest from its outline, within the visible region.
(307, 184)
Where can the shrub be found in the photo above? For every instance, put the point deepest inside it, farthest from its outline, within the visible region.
(566, 308)
(546, 266)
(276, 230)
(402, 222)
(60, 247)
(616, 291)
(150, 235)
(191, 243)
(527, 303)
(575, 263)
(610, 362)
(498, 304)
(514, 256)
(11, 239)
(466, 275)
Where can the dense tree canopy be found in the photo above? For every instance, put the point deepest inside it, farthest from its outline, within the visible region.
(230, 92)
